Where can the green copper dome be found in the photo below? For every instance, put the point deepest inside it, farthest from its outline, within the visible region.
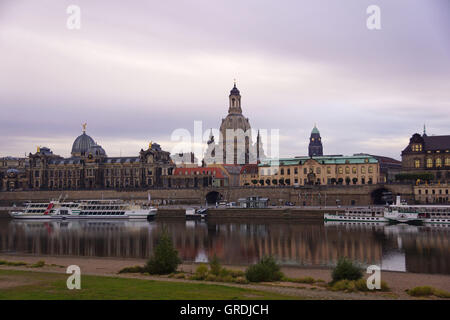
(315, 130)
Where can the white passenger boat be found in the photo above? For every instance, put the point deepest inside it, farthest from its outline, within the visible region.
(401, 212)
(84, 209)
(427, 214)
(360, 214)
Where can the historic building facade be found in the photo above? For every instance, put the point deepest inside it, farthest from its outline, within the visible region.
(325, 170)
(14, 173)
(90, 168)
(432, 193)
(430, 154)
(235, 145)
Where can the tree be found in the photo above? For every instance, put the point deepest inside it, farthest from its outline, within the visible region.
(165, 259)
(355, 180)
(346, 270)
(281, 181)
(254, 181)
(261, 182)
(214, 265)
(425, 176)
(288, 181)
(274, 181)
(265, 270)
(268, 182)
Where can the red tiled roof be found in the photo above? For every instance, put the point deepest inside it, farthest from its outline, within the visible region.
(214, 171)
(249, 168)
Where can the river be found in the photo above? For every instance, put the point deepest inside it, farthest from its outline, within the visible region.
(421, 249)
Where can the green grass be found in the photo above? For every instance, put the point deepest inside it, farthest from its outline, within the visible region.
(52, 286)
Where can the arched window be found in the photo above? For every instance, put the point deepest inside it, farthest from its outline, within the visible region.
(438, 162)
(429, 163)
(416, 163)
(233, 102)
(447, 162)
(347, 170)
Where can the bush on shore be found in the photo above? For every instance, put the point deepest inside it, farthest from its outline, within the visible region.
(265, 270)
(12, 263)
(214, 265)
(38, 264)
(346, 270)
(135, 269)
(426, 291)
(217, 273)
(355, 285)
(165, 259)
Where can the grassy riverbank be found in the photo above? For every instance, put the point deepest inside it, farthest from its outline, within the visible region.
(52, 286)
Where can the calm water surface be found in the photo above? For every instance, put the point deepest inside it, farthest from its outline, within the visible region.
(394, 247)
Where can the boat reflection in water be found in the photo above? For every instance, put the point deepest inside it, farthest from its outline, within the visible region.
(395, 247)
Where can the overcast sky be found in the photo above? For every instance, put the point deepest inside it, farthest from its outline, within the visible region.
(138, 70)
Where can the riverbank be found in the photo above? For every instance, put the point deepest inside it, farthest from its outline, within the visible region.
(397, 281)
(307, 214)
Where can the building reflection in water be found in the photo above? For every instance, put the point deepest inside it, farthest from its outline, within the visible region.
(394, 247)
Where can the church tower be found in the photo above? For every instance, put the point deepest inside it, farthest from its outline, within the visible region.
(235, 131)
(235, 101)
(315, 143)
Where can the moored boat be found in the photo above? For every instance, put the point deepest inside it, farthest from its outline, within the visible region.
(359, 214)
(192, 213)
(84, 209)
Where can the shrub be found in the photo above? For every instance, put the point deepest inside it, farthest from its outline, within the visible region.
(224, 272)
(240, 280)
(441, 293)
(179, 276)
(135, 269)
(211, 277)
(165, 259)
(12, 263)
(308, 280)
(38, 264)
(346, 270)
(236, 273)
(421, 291)
(265, 270)
(214, 265)
(426, 291)
(227, 278)
(344, 285)
(361, 285)
(201, 272)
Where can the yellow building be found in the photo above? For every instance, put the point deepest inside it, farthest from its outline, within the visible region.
(343, 170)
(432, 193)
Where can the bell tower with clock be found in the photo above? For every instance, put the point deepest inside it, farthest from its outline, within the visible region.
(315, 143)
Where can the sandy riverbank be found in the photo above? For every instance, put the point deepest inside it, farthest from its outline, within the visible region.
(397, 281)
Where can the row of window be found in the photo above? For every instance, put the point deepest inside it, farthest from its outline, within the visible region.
(346, 181)
(104, 213)
(318, 170)
(433, 191)
(429, 162)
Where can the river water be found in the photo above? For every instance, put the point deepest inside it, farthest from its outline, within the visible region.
(420, 249)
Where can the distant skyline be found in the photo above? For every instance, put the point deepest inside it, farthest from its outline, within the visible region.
(135, 73)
